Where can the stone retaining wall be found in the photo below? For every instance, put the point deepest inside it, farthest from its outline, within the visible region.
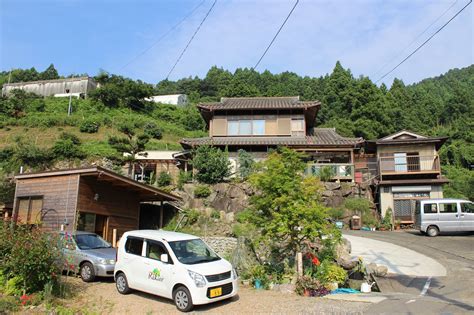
(223, 246)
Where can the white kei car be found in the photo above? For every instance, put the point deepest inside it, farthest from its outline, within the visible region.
(173, 265)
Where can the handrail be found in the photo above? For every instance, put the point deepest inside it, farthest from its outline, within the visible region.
(409, 164)
(340, 170)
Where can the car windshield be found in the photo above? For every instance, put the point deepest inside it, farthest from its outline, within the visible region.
(192, 252)
(90, 241)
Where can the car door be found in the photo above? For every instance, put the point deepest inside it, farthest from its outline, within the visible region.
(448, 216)
(466, 216)
(158, 275)
(133, 261)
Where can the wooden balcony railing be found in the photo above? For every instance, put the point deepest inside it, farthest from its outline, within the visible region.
(409, 164)
(339, 171)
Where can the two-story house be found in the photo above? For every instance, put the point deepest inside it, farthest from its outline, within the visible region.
(259, 124)
(408, 169)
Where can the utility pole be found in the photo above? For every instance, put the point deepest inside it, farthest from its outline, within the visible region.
(69, 109)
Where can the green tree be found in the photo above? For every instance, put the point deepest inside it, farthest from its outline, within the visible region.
(130, 146)
(68, 146)
(212, 165)
(287, 207)
(246, 163)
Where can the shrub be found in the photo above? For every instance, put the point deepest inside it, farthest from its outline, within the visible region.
(152, 130)
(357, 205)
(246, 164)
(336, 213)
(329, 272)
(9, 304)
(68, 147)
(164, 179)
(89, 126)
(29, 258)
(183, 178)
(202, 191)
(326, 173)
(192, 215)
(212, 165)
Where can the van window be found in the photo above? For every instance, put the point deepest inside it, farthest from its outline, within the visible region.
(467, 207)
(430, 208)
(134, 246)
(448, 208)
(154, 250)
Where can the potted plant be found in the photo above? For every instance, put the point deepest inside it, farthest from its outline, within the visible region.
(306, 285)
(397, 224)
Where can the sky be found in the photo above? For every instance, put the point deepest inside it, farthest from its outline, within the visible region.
(86, 36)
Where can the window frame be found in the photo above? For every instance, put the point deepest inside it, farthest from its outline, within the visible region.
(29, 211)
(150, 241)
(431, 204)
(441, 206)
(134, 238)
(300, 132)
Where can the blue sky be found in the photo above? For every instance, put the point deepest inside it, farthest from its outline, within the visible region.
(84, 36)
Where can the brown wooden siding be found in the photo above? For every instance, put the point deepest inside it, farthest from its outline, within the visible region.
(122, 206)
(59, 194)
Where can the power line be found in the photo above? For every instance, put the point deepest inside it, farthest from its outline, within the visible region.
(190, 40)
(415, 39)
(276, 35)
(426, 41)
(163, 36)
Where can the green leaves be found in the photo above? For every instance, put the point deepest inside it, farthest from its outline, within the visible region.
(212, 165)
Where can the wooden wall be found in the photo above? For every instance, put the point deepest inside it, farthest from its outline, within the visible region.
(122, 206)
(59, 193)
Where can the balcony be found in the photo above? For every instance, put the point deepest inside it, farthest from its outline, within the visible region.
(340, 171)
(405, 164)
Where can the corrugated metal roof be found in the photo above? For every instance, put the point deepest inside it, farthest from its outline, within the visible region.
(259, 103)
(319, 137)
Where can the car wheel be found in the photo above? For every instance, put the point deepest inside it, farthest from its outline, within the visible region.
(182, 299)
(121, 284)
(87, 272)
(432, 231)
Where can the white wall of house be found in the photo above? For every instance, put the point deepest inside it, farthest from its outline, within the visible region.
(173, 99)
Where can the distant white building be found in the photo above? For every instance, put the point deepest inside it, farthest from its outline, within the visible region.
(173, 99)
(62, 87)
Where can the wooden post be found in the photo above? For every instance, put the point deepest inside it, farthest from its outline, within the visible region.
(62, 227)
(161, 214)
(6, 215)
(114, 238)
(299, 264)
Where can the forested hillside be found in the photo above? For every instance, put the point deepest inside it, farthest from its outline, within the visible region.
(31, 127)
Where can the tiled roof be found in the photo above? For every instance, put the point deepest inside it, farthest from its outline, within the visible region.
(259, 103)
(320, 137)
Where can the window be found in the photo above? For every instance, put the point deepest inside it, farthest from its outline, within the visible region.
(134, 246)
(90, 241)
(258, 127)
(154, 250)
(430, 208)
(246, 127)
(193, 252)
(233, 127)
(400, 162)
(297, 127)
(467, 207)
(448, 208)
(29, 210)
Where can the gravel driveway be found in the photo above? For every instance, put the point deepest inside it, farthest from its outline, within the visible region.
(102, 297)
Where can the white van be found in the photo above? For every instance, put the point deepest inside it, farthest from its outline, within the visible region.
(175, 266)
(433, 216)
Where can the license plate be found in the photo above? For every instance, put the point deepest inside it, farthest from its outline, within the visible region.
(215, 292)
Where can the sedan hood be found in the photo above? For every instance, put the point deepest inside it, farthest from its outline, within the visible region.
(104, 253)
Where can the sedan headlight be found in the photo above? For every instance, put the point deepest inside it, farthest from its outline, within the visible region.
(199, 279)
(106, 261)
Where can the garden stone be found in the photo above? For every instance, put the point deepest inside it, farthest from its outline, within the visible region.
(381, 271)
(332, 185)
(346, 262)
(371, 268)
(328, 193)
(229, 217)
(287, 288)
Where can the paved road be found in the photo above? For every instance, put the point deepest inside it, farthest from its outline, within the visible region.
(452, 294)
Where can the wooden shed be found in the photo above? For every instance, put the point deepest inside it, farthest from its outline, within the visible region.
(89, 199)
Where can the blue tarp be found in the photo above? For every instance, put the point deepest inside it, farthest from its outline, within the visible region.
(344, 291)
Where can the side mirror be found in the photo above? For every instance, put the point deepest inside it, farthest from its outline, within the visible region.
(164, 258)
